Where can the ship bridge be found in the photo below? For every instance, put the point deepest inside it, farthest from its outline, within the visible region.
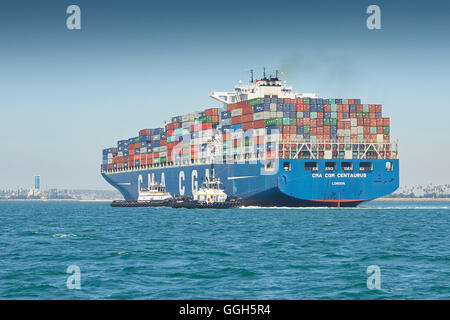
(265, 87)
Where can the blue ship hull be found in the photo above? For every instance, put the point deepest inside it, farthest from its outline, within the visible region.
(287, 183)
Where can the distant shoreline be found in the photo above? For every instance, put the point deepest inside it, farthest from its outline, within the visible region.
(55, 200)
(412, 199)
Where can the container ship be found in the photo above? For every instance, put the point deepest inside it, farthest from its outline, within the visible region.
(269, 146)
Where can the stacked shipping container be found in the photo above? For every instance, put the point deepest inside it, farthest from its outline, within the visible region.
(255, 128)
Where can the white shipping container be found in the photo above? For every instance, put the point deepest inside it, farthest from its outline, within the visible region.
(360, 130)
(273, 107)
(259, 132)
(236, 112)
(353, 122)
(120, 154)
(353, 130)
(143, 149)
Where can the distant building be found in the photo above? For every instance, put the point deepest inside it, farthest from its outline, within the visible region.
(37, 182)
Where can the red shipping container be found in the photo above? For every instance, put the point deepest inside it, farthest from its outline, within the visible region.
(359, 122)
(236, 143)
(137, 157)
(313, 123)
(292, 129)
(247, 117)
(371, 115)
(145, 132)
(366, 130)
(306, 121)
(170, 133)
(346, 108)
(347, 125)
(299, 108)
(386, 137)
(306, 108)
(313, 131)
(373, 122)
(372, 108)
(299, 121)
(386, 122)
(350, 101)
(270, 154)
(232, 106)
(259, 124)
(340, 139)
(247, 110)
(378, 108)
(379, 122)
(379, 130)
(339, 108)
(131, 152)
(286, 136)
(340, 115)
(366, 122)
(155, 154)
(247, 125)
(299, 101)
(215, 118)
(326, 130)
(359, 108)
(285, 129)
(327, 107)
(226, 136)
(206, 125)
(320, 115)
(354, 138)
(352, 115)
(236, 120)
(211, 112)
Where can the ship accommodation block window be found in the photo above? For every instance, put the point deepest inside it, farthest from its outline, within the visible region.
(347, 166)
(270, 165)
(330, 166)
(389, 166)
(365, 166)
(286, 166)
(311, 166)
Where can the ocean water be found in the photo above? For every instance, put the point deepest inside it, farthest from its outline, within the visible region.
(247, 253)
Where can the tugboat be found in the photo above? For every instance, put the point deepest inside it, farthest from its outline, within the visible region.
(154, 196)
(209, 196)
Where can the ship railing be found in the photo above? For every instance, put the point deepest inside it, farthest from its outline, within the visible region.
(294, 149)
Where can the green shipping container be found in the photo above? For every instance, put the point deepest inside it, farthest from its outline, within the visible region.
(373, 130)
(292, 121)
(204, 119)
(333, 122)
(299, 114)
(331, 101)
(286, 121)
(136, 140)
(171, 139)
(365, 114)
(334, 115)
(305, 129)
(365, 108)
(344, 101)
(162, 159)
(359, 114)
(334, 108)
(305, 100)
(274, 122)
(155, 137)
(386, 130)
(326, 121)
(313, 115)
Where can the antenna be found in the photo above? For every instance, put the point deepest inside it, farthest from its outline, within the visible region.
(264, 72)
(251, 76)
(276, 73)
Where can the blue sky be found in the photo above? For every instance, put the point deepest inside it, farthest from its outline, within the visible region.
(65, 95)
